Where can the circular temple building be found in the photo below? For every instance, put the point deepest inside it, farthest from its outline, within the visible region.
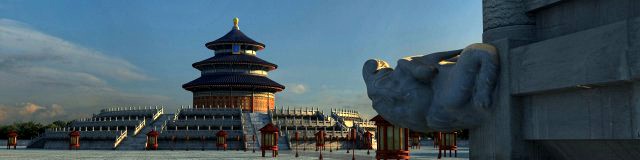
(234, 77)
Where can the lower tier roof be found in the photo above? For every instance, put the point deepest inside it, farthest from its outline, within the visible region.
(233, 81)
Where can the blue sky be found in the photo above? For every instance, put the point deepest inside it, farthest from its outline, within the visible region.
(68, 59)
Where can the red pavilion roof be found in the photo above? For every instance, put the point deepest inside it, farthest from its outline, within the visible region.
(380, 121)
(74, 133)
(12, 134)
(153, 133)
(269, 128)
(221, 133)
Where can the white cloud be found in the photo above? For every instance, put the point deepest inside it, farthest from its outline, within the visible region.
(298, 88)
(38, 67)
(29, 109)
(32, 112)
(21, 46)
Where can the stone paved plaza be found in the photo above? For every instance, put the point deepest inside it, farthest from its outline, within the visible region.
(426, 152)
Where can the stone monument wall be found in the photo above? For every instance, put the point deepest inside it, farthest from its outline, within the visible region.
(568, 80)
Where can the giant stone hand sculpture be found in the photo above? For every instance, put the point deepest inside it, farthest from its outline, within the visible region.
(436, 92)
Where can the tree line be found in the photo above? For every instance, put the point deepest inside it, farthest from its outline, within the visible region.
(28, 130)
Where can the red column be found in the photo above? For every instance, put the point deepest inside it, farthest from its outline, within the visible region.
(406, 139)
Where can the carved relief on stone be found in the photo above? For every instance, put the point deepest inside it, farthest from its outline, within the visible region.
(440, 91)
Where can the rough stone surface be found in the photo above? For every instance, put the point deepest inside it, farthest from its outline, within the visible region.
(568, 17)
(567, 87)
(588, 57)
(538, 4)
(568, 90)
(448, 96)
(596, 113)
(501, 13)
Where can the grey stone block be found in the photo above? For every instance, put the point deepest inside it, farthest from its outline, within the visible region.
(581, 114)
(593, 56)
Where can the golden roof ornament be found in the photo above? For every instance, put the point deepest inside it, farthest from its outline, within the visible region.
(235, 23)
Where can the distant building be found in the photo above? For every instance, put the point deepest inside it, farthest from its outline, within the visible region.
(232, 95)
(234, 77)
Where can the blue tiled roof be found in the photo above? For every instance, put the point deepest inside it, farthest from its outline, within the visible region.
(234, 36)
(235, 59)
(233, 80)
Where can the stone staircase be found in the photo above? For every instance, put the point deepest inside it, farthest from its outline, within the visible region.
(283, 142)
(252, 123)
(37, 142)
(137, 142)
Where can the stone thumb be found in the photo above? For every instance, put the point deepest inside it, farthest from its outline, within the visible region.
(371, 68)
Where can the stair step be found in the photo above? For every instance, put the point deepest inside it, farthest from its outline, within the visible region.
(138, 141)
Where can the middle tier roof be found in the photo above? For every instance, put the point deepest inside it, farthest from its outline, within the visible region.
(232, 59)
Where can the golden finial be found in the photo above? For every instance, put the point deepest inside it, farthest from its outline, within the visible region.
(235, 22)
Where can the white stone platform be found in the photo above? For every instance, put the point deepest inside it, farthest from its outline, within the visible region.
(425, 153)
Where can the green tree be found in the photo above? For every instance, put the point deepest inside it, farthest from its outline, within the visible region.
(60, 123)
(28, 130)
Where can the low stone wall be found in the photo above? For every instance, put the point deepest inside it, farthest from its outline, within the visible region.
(197, 144)
(193, 134)
(21, 143)
(84, 145)
(93, 135)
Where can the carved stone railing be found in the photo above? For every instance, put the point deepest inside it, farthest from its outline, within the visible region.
(360, 131)
(120, 138)
(209, 111)
(158, 113)
(310, 134)
(365, 124)
(346, 115)
(64, 134)
(139, 127)
(339, 120)
(175, 117)
(305, 122)
(295, 112)
(205, 122)
(114, 123)
(115, 109)
(243, 123)
(126, 112)
(288, 139)
(164, 126)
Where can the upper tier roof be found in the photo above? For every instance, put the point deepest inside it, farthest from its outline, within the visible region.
(235, 59)
(235, 36)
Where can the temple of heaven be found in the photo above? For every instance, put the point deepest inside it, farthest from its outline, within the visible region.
(234, 77)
